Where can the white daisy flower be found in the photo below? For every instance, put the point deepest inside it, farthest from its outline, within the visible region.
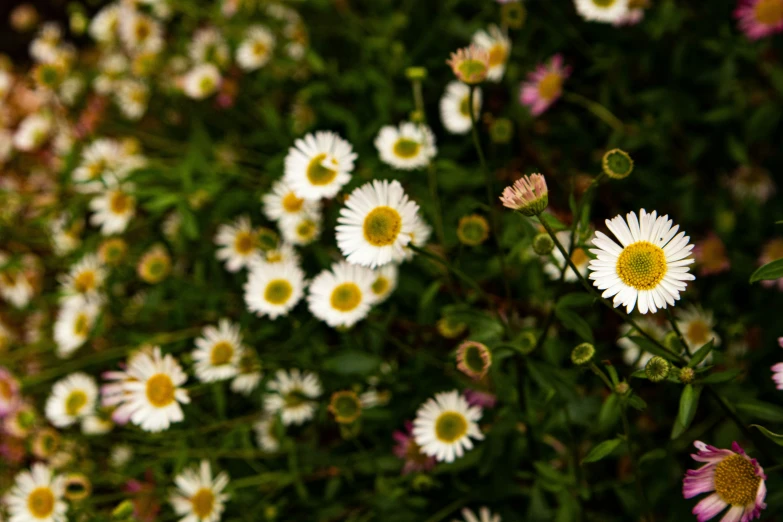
(256, 49)
(218, 352)
(6, 82)
(319, 165)
(282, 202)
(201, 81)
(632, 354)
(606, 11)
(553, 266)
(103, 159)
(132, 97)
(209, 46)
(649, 270)
(342, 295)
(139, 32)
(120, 455)
(385, 282)
(376, 223)
(697, 327)
(444, 426)
(249, 375)
(96, 425)
(111, 69)
(151, 392)
(84, 278)
(71, 89)
(408, 146)
(37, 496)
(238, 244)
(301, 229)
(485, 515)
(33, 132)
(293, 395)
(72, 398)
(455, 107)
(74, 323)
(44, 48)
(103, 26)
(15, 287)
(274, 289)
(498, 45)
(266, 436)
(420, 233)
(199, 497)
(64, 236)
(113, 209)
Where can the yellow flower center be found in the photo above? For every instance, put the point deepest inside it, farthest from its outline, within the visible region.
(294, 399)
(74, 403)
(40, 502)
(5, 390)
(84, 281)
(222, 352)
(206, 84)
(142, 30)
(550, 86)
(382, 226)
(774, 249)
(406, 148)
(259, 49)
(203, 502)
(579, 257)
(306, 229)
(278, 291)
(604, 3)
(769, 12)
(697, 332)
(346, 297)
(450, 426)
(119, 202)
(317, 173)
(641, 265)
(291, 203)
(497, 55)
(463, 106)
(160, 390)
(274, 256)
(81, 325)
(736, 482)
(245, 242)
(380, 285)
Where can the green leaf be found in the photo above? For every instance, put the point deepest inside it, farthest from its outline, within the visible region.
(573, 321)
(637, 402)
(689, 403)
(701, 354)
(774, 437)
(655, 454)
(773, 270)
(602, 450)
(610, 413)
(720, 377)
(352, 362)
(761, 410)
(648, 346)
(575, 300)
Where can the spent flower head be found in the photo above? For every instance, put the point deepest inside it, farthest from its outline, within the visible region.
(617, 164)
(470, 64)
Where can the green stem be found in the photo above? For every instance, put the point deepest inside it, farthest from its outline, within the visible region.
(678, 332)
(456, 271)
(596, 370)
(490, 193)
(635, 462)
(596, 109)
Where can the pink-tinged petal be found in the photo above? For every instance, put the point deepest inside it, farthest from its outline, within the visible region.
(735, 514)
(709, 507)
(777, 367)
(696, 485)
(780, 341)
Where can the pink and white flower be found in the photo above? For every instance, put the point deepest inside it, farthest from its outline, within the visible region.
(544, 85)
(759, 18)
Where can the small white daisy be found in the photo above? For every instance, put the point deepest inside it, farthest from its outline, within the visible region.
(282, 202)
(96, 425)
(72, 398)
(113, 209)
(342, 295)
(15, 286)
(293, 395)
(498, 45)
(408, 146)
(318, 165)
(201, 81)
(139, 32)
(554, 265)
(85, 278)
(120, 455)
(209, 46)
(33, 132)
(284, 253)
(151, 391)
(37, 496)
(455, 107)
(218, 352)
(74, 323)
(44, 48)
(606, 11)
(256, 49)
(485, 515)
(444, 426)
(649, 270)
(274, 289)
(199, 497)
(249, 376)
(301, 229)
(385, 282)
(104, 25)
(132, 97)
(266, 436)
(632, 354)
(376, 223)
(697, 327)
(238, 244)
(103, 159)
(420, 233)
(111, 69)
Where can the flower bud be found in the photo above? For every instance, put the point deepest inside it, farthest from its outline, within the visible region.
(617, 164)
(622, 388)
(345, 406)
(582, 354)
(501, 130)
(416, 73)
(543, 244)
(472, 230)
(513, 15)
(470, 64)
(529, 195)
(526, 342)
(473, 359)
(687, 375)
(657, 369)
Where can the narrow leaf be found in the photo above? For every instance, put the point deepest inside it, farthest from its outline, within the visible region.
(689, 402)
(774, 437)
(649, 346)
(773, 270)
(701, 354)
(762, 410)
(720, 377)
(602, 450)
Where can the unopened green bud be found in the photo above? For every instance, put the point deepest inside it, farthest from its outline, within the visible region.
(543, 244)
(672, 342)
(657, 369)
(417, 117)
(687, 375)
(617, 164)
(513, 14)
(582, 354)
(622, 388)
(501, 130)
(526, 342)
(123, 511)
(416, 73)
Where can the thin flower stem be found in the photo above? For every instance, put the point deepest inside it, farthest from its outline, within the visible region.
(457, 272)
(597, 109)
(490, 192)
(636, 472)
(596, 370)
(678, 332)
